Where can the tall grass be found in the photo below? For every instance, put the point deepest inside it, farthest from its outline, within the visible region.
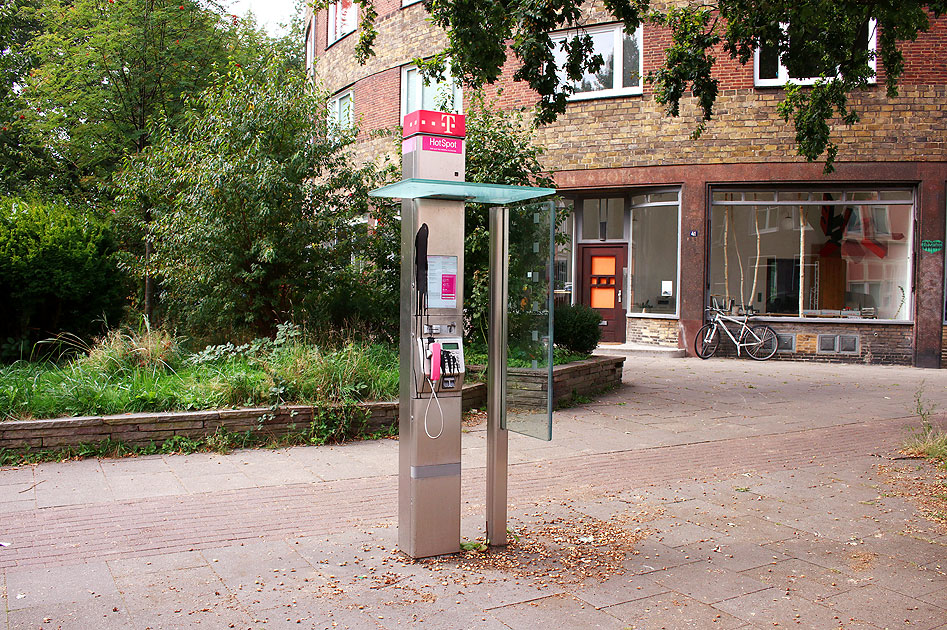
(148, 371)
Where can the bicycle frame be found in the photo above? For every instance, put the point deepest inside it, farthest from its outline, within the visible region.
(719, 318)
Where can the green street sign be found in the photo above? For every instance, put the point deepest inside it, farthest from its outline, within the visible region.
(932, 246)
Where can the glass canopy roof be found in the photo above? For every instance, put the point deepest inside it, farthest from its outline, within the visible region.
(493, 194)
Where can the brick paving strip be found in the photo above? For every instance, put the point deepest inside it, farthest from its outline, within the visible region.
(122, 529)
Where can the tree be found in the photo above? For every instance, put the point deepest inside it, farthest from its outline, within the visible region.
(104, 68)
(256, 204)
(20, 163)
(814, 34)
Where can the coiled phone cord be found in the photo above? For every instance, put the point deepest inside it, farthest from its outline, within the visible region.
(428, 408)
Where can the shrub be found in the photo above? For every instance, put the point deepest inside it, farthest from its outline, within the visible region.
(58, 273)
(577, 328)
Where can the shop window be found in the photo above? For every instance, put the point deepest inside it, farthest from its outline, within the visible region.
(343, 18)
(832, 253)
(417, 93)
(341, 111)
(621, 71)
(653, 260)
(769, 70)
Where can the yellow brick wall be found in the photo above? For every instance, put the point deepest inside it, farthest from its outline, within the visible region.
(633, 131)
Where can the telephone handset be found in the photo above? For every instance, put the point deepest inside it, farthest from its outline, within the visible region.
(420, 265)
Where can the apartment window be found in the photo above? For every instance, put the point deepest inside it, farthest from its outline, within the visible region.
(621, 71)
(341, 111)
(416, 93)
(310, 48)
(343, 18)
(769, 70)
(833, 253)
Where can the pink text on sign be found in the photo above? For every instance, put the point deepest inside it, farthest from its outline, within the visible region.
(443, 145)
(449, 286)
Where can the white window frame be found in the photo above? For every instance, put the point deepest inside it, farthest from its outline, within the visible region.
(335, 106)
(411, 73)
(783, 77)
(408, 3)
(311, 46)
(680, 215)
(617, 31)
(336, 31)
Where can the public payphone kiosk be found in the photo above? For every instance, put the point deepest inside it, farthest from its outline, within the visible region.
(433, 194)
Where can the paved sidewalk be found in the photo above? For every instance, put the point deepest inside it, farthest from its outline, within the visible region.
(702, 494)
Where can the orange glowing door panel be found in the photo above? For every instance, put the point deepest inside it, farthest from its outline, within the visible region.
(602, 268)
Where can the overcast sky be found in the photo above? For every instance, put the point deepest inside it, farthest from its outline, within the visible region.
(269, 13)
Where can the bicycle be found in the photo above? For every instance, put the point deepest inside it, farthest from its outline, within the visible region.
(759, 341)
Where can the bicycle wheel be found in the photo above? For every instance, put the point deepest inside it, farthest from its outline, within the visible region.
(759, 342)
(708, 338)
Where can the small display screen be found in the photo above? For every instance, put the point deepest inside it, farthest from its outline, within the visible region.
(450, 346)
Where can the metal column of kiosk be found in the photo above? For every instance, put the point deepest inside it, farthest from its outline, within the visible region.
(432, 357)
(433, 194)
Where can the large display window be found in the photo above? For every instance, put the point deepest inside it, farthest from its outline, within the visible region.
(653, 267)
(814, 253)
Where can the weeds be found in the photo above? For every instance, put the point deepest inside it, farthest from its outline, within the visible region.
(928, 440)
(148, 371)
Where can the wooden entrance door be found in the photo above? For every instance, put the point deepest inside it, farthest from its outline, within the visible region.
(602, 267)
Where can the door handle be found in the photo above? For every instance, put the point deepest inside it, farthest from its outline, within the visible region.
(619, 297)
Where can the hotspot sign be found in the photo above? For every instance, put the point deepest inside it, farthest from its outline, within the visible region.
(442, 145)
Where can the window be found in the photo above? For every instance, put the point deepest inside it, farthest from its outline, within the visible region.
(310, 49)
(828, 253)
(341, 111)
(416, 93)
(620, 73)
(653, 260)
(343, 18)
(603, 219)
(768, 68)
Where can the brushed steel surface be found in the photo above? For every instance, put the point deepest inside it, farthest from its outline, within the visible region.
(497, 437)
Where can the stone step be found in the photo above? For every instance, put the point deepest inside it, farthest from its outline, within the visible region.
(639, 349)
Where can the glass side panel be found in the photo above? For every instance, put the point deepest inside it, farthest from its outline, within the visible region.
(529, 339)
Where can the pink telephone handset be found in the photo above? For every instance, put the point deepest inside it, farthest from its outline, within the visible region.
(435, 362)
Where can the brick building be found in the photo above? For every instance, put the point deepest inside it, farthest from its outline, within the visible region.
(845, 267)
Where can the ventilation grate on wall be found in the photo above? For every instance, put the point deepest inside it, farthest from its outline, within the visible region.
(838, 344)
(785, 342)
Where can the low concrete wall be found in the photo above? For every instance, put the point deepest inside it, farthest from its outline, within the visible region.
(142, 428)
(526, 386)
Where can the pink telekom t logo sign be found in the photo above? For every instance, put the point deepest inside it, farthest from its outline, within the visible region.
(448, 121)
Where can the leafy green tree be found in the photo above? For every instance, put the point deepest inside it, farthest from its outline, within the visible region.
(257, 205)
(104, 68)
(20, 163)
(823, 36)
